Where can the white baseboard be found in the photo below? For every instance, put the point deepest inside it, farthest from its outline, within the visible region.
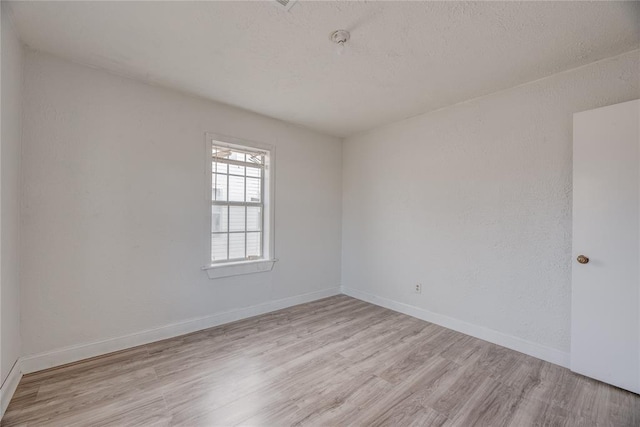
(37, 362)
(518, 344)
(50, 359)
(9, 387)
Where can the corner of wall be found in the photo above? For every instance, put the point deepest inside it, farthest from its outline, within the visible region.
(12, 76)
(8, 388)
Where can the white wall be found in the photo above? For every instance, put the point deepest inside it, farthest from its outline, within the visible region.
(474, 202)
(11, 87)
(114, 209)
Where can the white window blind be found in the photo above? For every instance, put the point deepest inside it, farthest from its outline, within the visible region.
(237, 203)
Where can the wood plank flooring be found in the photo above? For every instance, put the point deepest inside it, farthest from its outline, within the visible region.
(337, 361)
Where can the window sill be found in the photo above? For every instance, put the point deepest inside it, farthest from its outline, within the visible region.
(238, 268)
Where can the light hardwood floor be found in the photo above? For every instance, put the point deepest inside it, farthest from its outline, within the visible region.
(337, 361)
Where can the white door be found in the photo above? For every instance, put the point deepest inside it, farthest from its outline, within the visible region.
(605, 299)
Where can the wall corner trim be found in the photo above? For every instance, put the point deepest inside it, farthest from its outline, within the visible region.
(530, 348)
(75, 353)
(9, 386)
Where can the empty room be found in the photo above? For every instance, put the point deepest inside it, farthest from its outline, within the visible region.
(320, 213)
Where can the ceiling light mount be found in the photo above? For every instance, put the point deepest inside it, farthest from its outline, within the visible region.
(340, 37)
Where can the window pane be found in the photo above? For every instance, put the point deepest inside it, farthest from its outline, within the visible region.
(236, 218)
(219, 187)
(254, 218)
(220, 152)
(254, 172)
(218, 247)
(220, 167)
(257, 158)
(236, 245)
(253, 190)
(236, 189)
(219, 218)
(237, 231)
(253, 244)
(235, 155)
(236, 170)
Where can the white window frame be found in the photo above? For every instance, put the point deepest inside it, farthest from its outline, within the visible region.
(266, 262)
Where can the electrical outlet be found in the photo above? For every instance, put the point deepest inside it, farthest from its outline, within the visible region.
(418, 289)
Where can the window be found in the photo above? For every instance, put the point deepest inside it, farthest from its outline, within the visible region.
(241, 206)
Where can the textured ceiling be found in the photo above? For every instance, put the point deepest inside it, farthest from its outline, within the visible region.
(404, 58)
